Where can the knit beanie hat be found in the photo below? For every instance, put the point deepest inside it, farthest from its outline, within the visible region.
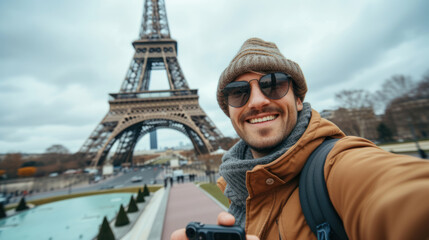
(259, 56)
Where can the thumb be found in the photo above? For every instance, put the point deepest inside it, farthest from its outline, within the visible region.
(251, 237)
(225, 219)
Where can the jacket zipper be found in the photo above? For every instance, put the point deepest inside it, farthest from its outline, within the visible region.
(278, 227)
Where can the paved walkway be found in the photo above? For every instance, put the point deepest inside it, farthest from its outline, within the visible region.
(186, 203)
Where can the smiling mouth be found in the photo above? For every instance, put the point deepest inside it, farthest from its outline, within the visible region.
(262, 119)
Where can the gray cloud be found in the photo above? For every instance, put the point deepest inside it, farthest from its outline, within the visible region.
(365, 46)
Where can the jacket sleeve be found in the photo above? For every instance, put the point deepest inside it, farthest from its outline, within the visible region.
(379, 195)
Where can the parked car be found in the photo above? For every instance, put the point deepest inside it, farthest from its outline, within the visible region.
(136, 179)
(97, 178)
(3, 199)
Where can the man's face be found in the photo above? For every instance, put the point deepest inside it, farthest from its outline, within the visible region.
(264, 123)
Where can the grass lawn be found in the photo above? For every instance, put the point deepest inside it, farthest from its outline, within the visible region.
(213, 190)
(161, 161)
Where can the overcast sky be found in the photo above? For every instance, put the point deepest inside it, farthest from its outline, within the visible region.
(60, 59)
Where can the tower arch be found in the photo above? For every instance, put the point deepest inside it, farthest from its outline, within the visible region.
(127, 133)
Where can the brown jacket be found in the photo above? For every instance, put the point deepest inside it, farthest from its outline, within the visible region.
(378, 195)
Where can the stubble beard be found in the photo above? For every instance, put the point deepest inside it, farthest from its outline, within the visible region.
(261, 142)
(268, 145)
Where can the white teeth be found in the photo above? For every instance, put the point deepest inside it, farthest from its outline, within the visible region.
(263, 119)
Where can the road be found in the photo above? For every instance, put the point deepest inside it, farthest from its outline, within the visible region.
(150, 175)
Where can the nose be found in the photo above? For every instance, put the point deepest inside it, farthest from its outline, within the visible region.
(257, 99)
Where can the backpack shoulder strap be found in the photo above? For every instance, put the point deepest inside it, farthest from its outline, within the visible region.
(318, 210)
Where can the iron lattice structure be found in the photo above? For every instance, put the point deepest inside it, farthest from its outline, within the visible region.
(136, 111)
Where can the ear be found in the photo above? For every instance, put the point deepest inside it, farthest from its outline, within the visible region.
(298, 104)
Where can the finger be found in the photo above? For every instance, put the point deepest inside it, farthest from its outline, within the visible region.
(225, 219)
(251, 237)
(179, 235)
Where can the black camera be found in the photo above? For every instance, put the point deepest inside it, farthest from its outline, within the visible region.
(200, 231)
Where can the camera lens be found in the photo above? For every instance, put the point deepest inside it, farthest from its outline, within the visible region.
(201, 236)
(191, 232)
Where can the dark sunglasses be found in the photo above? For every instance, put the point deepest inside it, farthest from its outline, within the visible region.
(272, 85)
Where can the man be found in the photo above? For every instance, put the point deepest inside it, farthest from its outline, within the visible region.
(378, 195)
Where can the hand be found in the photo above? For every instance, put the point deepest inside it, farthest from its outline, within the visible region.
(224, 219)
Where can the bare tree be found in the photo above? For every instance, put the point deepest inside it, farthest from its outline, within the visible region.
(403, 101)
(11, 163)
(212, 163)
(57, 154)
(398, 86)
(422, 89)
(57, 148)
(356, 122)
(347, 124)
(408, 114)
(354, 99)
(355, 116)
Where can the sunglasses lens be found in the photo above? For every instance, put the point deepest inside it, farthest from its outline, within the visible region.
(237, 93)
(274, 85)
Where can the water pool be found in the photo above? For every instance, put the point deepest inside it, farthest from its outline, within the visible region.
(77, 218)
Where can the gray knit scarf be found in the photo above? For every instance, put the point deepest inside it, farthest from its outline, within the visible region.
(238, 160)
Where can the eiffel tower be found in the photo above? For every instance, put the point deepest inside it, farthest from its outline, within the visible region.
(136, 111)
